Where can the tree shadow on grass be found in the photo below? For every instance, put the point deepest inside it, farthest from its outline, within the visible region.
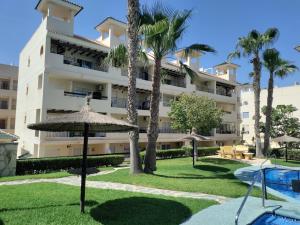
(141, 211)
(211, 168)
(219, 161)
(1, 222)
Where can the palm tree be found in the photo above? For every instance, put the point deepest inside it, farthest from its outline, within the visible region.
(132, 30)
(161, 29)
(276, 67)
(252, 46)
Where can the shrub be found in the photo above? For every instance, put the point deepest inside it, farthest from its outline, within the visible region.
(183, 152)
(40, 165)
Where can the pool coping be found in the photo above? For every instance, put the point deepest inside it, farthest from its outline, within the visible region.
(252, 169)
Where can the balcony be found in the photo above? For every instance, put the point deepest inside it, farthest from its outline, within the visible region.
(79, 56)
(142, 74)
(63, 135)
(205, 89)
(173, 78)
(94, 95)
(225, 90)
(122, 103)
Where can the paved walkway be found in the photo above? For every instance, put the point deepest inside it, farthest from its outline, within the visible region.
(76, 181)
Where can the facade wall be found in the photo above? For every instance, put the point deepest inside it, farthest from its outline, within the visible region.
(8, 97)
(56, 81)
(282, 96)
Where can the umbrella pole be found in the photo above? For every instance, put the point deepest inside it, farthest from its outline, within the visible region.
(193, 153)
(83, 166)
(286, 151)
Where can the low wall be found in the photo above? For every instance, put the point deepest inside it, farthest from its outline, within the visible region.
(8, 155)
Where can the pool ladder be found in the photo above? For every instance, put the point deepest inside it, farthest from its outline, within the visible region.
(260, 174)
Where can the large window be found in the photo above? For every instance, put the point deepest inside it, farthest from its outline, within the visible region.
(245, 115)
(3, 103)
(2, 123)
(4, 84)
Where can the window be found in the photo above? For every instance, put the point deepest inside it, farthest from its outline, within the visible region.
(25, 118)
(41, 50)
(2, 123)
(13, 104)
(28, 61)
(40, 81)
(15, 85)
(4, 84)
(37, 119)
(245, 102)
(3, 103)
(245, 129)
(27, 89)
(12, 123)
(246, 115)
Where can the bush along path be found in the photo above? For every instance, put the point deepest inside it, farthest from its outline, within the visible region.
(75, 181)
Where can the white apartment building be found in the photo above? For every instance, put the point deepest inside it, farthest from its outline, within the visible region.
(8, 97)
(59, 68)
(282, 96)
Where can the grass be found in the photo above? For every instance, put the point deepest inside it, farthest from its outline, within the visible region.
(291, 163)
(211, 176)
(47, 203)
(44, 175)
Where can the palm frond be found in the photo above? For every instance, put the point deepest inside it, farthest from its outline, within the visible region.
(118, 56)
(270, 35)
(198, 48)
(185, 68)
(233, 55)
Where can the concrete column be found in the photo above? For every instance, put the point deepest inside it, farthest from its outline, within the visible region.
(111, 36)
(109, 92)
(50, 9)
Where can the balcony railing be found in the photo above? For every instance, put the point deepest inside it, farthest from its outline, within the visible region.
(205, 89)
(85, 64)
(72, 134)
(141, 75)
(222, 131)
(165, 130)
(122, 103)
(94, 95)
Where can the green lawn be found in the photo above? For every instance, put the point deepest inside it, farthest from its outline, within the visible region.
(58, 204)
(44, 175)
(282, 162)
(212, 176)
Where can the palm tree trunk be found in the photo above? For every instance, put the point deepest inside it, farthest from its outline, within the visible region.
(152, 133)
(268, 113)
(256, 87)
(133, 20)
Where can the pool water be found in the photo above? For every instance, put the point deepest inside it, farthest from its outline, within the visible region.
(280, 180)
(271, 219)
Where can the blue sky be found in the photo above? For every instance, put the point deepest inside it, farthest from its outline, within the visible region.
(214, 22)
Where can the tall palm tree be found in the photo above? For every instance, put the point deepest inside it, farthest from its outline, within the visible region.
(276, 67)
(252, 46)
(133, 40)
(161, 29)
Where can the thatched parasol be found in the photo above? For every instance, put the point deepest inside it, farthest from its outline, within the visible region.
(5, 135)
(85, 121)
(286, 139)
(194, 137)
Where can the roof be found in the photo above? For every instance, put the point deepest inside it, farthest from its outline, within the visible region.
(112, 19)
(8, 70)
(5, 135)
(227, 63)
(297, 48)
(66, 1)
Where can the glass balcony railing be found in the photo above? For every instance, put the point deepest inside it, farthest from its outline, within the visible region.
(122, 103)
(95, 95)
(72, 134)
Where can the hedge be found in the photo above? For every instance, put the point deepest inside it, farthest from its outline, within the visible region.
(183, 152)
(40, 165)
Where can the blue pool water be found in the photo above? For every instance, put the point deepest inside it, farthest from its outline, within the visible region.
(271, 219)
(280, 180)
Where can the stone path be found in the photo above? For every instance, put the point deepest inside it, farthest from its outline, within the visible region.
(75, 181)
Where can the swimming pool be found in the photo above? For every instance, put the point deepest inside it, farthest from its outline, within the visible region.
(273, 219)
(280, 179)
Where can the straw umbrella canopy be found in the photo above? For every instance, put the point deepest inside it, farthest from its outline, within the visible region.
(7, 136)
(85, 121)
(194, 137)
(286, 139)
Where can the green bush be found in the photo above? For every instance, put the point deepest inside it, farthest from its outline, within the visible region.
(40, 165)
(183, 152)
